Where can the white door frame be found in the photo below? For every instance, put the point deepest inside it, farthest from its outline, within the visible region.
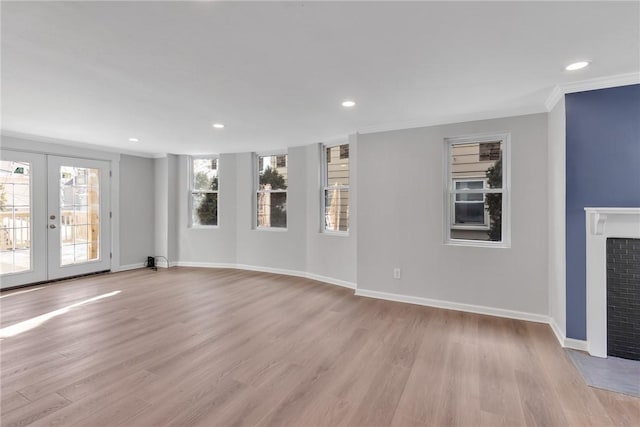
(59, 148)
(55, 269)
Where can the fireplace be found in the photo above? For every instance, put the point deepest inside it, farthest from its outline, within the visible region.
(603, 224)
(623, 298)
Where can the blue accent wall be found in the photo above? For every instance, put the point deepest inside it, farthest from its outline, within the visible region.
(603, 169)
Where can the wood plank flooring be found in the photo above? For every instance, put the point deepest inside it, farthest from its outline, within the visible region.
(201, 347)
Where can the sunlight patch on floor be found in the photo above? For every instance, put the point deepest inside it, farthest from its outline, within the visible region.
(34, 322)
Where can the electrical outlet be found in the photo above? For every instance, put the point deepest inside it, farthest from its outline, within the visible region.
(396, 273)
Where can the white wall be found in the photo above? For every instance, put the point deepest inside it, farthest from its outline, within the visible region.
(273, 248)
(137, 209)
(165, 175)
(172, 207)
(208, 245)
(331, 255)
(400, 219)
(556, 217)
(300, 249)
(161, 203)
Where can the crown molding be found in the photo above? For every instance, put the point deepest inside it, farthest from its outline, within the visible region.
(85, 146)
(562, 89)
(462, 118)
(556, 94)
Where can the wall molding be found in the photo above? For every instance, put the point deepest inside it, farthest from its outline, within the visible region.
(129, 267)
(75, 144)
(451, 119)
(590, 84)
(449, 305)
(565, 342)
(557, 331)
(576, 344)
(479, 309)
(262, 269)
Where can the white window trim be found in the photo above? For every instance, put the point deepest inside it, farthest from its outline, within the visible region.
(256, 188)
(324, 186)
(505, 137)
(192, 191)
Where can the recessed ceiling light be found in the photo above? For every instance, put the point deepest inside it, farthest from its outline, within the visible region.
(348, 104)
(218, 125)
(576, 65)
(133, 140)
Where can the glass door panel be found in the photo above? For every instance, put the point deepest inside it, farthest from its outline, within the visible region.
(22, 197)
(78, 216)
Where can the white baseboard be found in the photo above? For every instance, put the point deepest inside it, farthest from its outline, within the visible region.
(272, 270)
(559, 333)
(576, 344)
(204, 264)
(130, 267)
(478, 309)
(567, 342)
(295, 273)
(470, 308)
(331, 280)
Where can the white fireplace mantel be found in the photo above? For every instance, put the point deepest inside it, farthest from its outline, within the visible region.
(602, 223)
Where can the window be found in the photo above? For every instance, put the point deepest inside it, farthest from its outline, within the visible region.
(469, 207)
(271, 199)
(335, 209)
(476, 190)
(204, 191)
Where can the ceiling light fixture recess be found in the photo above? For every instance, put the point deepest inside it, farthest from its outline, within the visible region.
(133, 140)
(348, 103)
(577, 66)
(218, 125)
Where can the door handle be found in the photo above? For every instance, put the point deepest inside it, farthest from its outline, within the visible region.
(52, 226)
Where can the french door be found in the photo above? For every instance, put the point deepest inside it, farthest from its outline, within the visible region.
(54, 217)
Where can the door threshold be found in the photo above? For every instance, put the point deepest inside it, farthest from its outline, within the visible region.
(44, 282)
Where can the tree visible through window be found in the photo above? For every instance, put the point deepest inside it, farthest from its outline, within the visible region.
(204, 191)
(272, 192)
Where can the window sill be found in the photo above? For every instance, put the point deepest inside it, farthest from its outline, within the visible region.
(335, 233)
(204, 227)
(276, 229)
(470, 227)
(477, 244)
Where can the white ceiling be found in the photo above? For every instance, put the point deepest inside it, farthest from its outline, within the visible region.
(275, 73)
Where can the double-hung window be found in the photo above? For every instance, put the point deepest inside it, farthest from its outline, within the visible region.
(204, 191)
(477, 190)
(271, 197)
(335, 209)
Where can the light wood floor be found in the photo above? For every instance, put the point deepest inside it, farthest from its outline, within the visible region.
(206, 347)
